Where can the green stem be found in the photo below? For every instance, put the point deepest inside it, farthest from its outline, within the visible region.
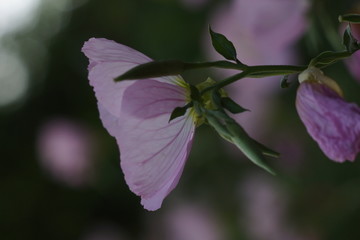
(275, 69)
(217, 64)
(257, 71)
(225, 82)
(323, 60)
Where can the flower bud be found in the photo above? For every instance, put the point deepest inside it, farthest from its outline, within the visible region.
(331, 121)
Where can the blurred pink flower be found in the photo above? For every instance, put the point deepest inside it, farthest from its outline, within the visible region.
(353, 62)
(263, 32)
(66, 151)
(265, 207)
(153, 150)
(192, 222)
(185, 221)
(331, 121)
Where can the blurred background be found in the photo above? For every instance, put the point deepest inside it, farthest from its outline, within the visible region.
(60, 176)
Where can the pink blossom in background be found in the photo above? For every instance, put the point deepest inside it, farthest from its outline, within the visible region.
(265, 210)
(185, 220)
(331, 121)
(153, 150)
(353, 62)
(263, 32)
(66, 150)
(288, 143)
(192, 222)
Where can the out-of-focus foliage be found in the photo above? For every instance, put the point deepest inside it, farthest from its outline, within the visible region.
(312, 197)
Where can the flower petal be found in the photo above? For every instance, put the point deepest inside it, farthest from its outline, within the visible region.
(330, 120)
(109, 60)
(153, 150)
(101, 50)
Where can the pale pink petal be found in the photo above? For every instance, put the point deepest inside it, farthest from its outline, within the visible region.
(154, 151)
(109, 60)
(101, 50)
(136, 113)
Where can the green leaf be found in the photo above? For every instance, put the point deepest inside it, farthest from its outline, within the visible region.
(351, 18)
(154, 69)
(178, 112)
(223, 46)
(232, 106)
(349, 41)
(284, 81)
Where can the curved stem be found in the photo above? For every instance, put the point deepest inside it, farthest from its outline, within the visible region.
(226, 81)
(273, 70)
(257, 71)
(217, 64)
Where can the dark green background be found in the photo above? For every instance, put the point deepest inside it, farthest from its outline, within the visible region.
(323, 196)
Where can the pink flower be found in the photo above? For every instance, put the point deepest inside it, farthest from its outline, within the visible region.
(192, 221)
(263, 32)
(66, 151)
(153, 150)
(266, 209)
(331, 121)
(354, 61)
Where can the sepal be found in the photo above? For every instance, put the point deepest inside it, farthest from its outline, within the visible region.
(232, 106)
(231, 131)
(179, 111)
